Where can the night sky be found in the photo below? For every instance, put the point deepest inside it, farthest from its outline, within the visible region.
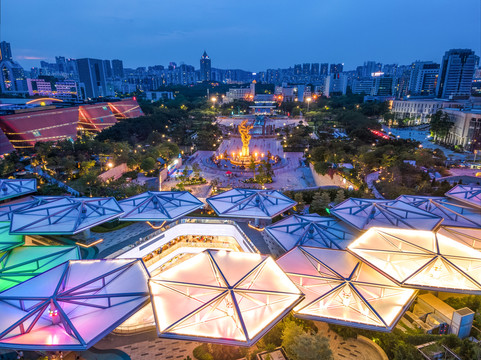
(247, 34)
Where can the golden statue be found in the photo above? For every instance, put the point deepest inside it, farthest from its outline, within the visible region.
(245, 137)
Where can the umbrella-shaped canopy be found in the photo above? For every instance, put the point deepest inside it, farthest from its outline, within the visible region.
(311, 230)
(24, 262)
(468, 194)
(6, 210)
(468, 236)
(366, 213)
(159, 206)
(72, 306)
(250, 203)
(454, 214)
(343, 290)
(238, 298)
(8, 241)
(65, 216)
(421, 259)
(10, 188)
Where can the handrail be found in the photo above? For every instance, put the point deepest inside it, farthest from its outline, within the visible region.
(158, 232)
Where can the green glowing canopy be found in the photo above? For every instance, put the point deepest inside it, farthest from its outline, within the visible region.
(7, 240)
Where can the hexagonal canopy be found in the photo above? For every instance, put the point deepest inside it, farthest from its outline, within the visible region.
(250, 203)
(66, 216)
(465, 235)
(453, 213)
(6, 210)
(235, 301)
(366, 213)
(159, 206)
(311, 230)
(468, 194)
(24, 262)
(7, 240)
(10, 188)
(73, 305)
(343, 290)
(421, 259)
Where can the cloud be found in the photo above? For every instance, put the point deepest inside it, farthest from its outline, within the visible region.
(24, 57)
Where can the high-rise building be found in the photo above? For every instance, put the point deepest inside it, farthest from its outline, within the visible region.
(336, 68)
(117, 68)
(456, 73)
(306, 69)
(107, 69)
(92, 75)
(424, 77)
(61, 64)
(205, 67)
(297, 69)
(315, 69)
(324, 69)
(5, 51)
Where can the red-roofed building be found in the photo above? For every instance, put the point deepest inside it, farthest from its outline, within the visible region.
(126, 109)
(95, 117)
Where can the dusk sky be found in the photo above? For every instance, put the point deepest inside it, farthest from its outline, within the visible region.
(251, 35)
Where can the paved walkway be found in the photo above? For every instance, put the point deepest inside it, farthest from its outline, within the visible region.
(370, 179)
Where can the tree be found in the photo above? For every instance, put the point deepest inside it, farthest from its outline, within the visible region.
(301, 345)
(440, 124)
(196, 170)
(340, 197)
(148, 164)
(252, 166)
(300, 201)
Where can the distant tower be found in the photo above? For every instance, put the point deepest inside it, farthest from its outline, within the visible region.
(205, 68)
(456, 73)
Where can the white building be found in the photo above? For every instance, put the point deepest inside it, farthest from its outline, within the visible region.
(420, 110)
(466, 131)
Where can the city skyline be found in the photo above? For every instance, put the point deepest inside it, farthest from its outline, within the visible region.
(96, 32)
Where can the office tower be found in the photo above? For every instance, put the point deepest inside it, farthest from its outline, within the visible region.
(61, 64)
(369, 68)
(117, 68)
(389, 69)
(424, 76)
(324, 69)
(107, 69)
(315, 69)
(5, 51)
(306, 69)
(383, 85)
(297, 69)
(337, 83)
(92, 75)
(205, 67)
(456, 73)
(336, 68)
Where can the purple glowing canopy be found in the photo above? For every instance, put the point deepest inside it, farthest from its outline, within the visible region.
(72, 306)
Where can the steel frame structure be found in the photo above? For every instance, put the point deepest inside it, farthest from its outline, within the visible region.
(468, 194)
(10, 188)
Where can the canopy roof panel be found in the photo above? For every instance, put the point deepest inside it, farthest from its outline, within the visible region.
(341, 289)
(24, 262)
(453, 213)
(65, 216)
(468, 236)
(468, 194)
(6, 210)
(250, 203)
(10, 188)
(238, 298)
(311, 230)
(159, 206)
(73, 305)
(421, 259)
(366, 213)
(8, 241)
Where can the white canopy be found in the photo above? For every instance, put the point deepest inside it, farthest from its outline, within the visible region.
(343, 290)
(311, 230)
(73, 305)
(366, 213)
(421, 259)
(468, 194)
(453, 213)
(65, 216)
(10, 188)
(250, 203)
(468, 236)
(222, 297)
(159, 206)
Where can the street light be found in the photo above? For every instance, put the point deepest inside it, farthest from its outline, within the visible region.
(308, 102)
(213, 99)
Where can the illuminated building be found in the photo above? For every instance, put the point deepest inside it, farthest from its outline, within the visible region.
(421, 259)
(65, 89)
(466, 131)
(456, 73)
(238, 298)
(424, 78)
(341, 289)
(205, 68)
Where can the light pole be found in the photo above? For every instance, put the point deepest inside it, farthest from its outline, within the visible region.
(308, 102)
(213, 99)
